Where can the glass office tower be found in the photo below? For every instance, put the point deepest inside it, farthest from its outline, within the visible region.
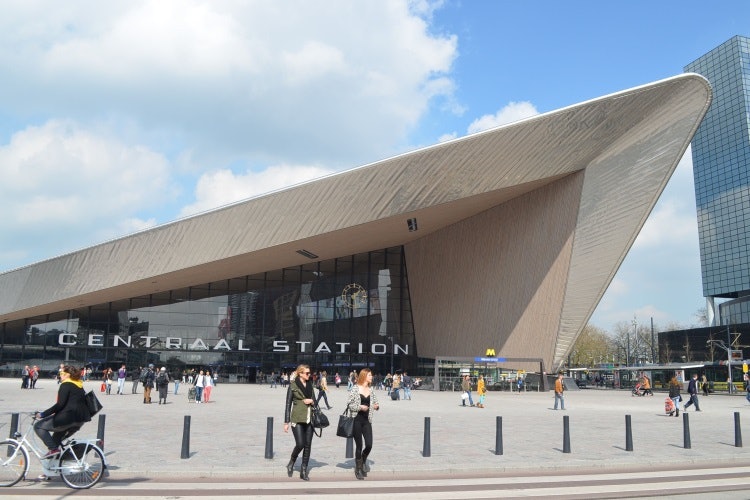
(721, 167)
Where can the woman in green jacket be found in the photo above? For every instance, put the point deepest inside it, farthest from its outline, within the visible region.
(297, 413)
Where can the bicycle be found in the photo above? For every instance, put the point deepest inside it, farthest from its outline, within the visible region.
(80, 463)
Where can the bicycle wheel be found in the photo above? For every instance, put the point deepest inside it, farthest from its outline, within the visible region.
(14, 463)
(82, 466)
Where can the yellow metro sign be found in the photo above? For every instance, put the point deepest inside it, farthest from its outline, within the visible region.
(490, 352)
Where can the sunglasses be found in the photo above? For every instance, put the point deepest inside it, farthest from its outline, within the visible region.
(305, 373)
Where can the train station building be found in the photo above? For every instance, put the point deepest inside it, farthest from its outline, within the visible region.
(503, 241)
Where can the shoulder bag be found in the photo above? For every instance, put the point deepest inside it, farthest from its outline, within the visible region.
(92, 403)
(319, 420)
(345, 428)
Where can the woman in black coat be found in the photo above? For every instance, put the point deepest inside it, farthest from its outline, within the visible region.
(69, 412)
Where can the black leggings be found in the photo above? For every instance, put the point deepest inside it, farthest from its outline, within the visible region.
(362, 429)
(303, 434)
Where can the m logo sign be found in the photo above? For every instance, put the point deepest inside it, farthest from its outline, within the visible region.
(490, 352)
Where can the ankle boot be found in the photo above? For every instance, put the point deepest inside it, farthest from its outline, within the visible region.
(290, 466)
(677, 413)
(365, 467)
(303, 473)
(358, 470)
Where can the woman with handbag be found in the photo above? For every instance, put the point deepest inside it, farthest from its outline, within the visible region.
(300, 398)
(362, 402)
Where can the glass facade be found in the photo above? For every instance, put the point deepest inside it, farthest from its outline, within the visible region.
(721, 167)
(334, 315)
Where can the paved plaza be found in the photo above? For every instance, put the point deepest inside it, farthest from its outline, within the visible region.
(228, 435)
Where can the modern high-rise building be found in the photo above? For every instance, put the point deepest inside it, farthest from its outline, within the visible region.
(721, 167)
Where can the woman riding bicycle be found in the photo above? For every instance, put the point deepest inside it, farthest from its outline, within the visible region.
(69, 412)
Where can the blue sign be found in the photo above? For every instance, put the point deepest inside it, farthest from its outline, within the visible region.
(489, 360)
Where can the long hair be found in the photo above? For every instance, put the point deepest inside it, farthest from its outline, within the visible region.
(362, 378)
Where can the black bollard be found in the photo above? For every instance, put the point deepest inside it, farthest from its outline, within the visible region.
(350, 447)
(737, 430)
(186, 438)
(100, 431)
(628, 434)
(685, 431)
(566, 434)
(269, 437)
(13, 425)
(13, 430)
(498, 435)
(426, 446)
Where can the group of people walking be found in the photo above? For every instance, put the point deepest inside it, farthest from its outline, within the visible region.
(361, 404)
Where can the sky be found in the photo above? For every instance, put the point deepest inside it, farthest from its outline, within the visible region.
(116, 117)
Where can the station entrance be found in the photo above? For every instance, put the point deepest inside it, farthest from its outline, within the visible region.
(499, 373)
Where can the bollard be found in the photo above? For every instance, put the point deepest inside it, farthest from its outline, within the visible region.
(737, 430)
(13, 430)
(13, 425)
(498, 435)
(628, 434)
(269, 437)
(186, 438)
(100, 431)
(566, 434)
(426, 445)
(350, 447)
(685, 431)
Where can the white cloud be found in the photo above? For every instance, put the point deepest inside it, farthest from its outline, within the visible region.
(512, 112)
(64, 187)
(222, 187)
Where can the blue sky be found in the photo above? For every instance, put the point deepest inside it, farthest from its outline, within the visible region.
(119, 116)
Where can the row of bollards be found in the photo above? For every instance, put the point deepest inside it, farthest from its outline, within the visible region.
(426, 445)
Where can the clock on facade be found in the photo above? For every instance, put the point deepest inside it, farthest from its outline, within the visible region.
(354, 295)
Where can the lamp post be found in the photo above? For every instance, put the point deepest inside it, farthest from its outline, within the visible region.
(391, 339)
(727, 348)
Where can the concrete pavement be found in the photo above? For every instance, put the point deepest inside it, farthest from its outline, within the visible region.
(228, 435)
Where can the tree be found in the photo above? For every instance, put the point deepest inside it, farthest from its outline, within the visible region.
(593, 346)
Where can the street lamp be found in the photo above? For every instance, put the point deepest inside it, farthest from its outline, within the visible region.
(729, 359)
(391, 339)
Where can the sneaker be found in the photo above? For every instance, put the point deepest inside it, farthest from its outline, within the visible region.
(52, 453)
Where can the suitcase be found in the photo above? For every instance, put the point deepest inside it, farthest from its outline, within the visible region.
(394, 395)
(191, 394)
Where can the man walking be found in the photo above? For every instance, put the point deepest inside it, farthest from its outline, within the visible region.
(122, 373)
(559, 390)
(148, 384)
(406, 383)
(466, 387)
(693, 391)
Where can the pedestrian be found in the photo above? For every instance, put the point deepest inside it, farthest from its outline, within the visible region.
(406, 383)
(323, 390)
(122, 374)
(176, 384)
(34, 376)
(273, 380)
(351, 380)
(66, 415)
(337, 380)
(482, 391)
(362, 403)
(647, 385)
(208, 385)
(396, 387)
(147, 379)
(297, 409)
(693, 391)
(704, 384)
(107, 379)
(162, 384)
(466, 388)
(25, 376)
(199, 384)
(559, 391)
(674, 395)
(519, 384)
(135, 377)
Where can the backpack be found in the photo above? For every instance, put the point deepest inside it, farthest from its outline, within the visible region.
(161, 379)
(144, 376)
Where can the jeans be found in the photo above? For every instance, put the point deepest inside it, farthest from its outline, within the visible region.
(323, 395)
(559, 396)
(135, 386)
(407, 393)
(176, 385)
(693, 401)
(471, 401)
(120, 386)
(198, 393)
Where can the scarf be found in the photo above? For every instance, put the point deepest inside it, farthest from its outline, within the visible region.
(307, 389)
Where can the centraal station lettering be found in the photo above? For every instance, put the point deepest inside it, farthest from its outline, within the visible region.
(97, 340)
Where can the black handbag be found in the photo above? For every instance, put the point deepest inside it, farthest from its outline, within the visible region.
(345, 428)
(319, 420)
(92, 403)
